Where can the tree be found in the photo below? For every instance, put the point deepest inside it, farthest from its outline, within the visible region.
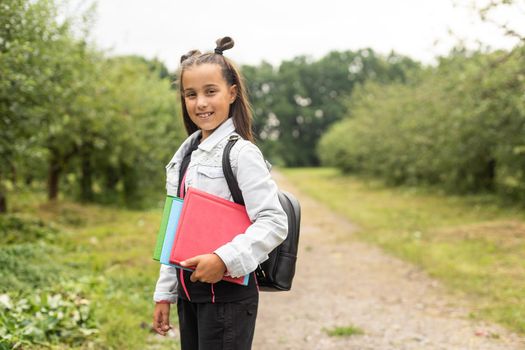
(67, 108)
(144, 128)
(29, 34)
(296, 102)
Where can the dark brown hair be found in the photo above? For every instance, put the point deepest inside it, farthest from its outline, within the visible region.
(240, 109)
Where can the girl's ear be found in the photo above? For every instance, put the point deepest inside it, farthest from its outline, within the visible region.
(233, 93)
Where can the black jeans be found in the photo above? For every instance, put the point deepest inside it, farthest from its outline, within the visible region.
(217, 326)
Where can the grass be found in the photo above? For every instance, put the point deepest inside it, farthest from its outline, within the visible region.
(475, 244)
(111, 249)
(346, 331)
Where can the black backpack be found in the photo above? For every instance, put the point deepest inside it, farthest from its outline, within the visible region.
(277, 272)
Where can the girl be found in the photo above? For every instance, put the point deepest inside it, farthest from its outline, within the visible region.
(215, 314)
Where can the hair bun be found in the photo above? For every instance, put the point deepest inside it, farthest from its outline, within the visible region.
(223, 44)
(189, 54)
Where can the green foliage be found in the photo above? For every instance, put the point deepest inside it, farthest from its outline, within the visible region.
(97, 253)
(29, 265)
(40, 303)
(460, 126)
(23, 242)
(28, 33)
(346, 331)
(46, 318)
(95, 128)
(15, 229)
(143, 131)
(296, 102)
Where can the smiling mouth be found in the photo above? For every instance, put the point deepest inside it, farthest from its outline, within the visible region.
(204, 115)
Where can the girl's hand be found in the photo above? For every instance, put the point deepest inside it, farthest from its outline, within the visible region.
(209, 268)
(161, 318)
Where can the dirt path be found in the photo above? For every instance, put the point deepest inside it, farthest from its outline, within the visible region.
(396, 304)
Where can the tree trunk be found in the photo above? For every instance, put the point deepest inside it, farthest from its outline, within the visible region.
(112, 178)
(3, 203)
(53, 178)
(491, 175)
(129, 182)
(3, 198)
(86, 180)
(14, 174)
(487, 176)
(28, 180)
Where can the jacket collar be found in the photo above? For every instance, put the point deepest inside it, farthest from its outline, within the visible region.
(225, 129)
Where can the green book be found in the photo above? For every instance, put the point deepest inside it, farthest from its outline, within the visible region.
(162, 230)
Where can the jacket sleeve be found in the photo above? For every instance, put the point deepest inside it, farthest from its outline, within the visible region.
(166, 288)
(269, 221)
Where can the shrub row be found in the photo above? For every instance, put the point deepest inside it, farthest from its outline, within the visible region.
(460, 125)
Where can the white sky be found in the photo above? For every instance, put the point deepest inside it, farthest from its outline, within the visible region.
(276, 30)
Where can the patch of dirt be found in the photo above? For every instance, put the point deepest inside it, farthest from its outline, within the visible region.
(342, 282)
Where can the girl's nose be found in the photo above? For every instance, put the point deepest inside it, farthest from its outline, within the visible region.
(201, 102)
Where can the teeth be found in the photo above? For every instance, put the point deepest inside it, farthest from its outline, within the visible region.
(204, 115)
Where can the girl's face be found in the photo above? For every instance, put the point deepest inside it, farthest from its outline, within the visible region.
(207, 96)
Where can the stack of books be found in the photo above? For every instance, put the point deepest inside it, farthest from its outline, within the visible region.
(197, 225)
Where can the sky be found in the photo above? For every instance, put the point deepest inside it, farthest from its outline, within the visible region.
(277, 30)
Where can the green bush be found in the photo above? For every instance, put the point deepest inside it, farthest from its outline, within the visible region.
(27, 266)
(45, 318)
(15, 229)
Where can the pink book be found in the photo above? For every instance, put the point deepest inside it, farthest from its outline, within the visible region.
(206, 223)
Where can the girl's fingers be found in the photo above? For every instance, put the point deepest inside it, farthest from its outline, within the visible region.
(161, 321)
(165, 321)
(193, 278)
(191, 261)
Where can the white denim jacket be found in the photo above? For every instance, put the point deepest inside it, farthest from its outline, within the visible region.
(269, 221)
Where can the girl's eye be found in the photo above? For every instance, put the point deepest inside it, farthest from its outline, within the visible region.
(190, 95)
(211, 92)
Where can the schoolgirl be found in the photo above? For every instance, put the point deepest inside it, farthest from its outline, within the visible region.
(215, 314)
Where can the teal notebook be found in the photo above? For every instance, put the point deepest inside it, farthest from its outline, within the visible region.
(167, 213)
(171, 230)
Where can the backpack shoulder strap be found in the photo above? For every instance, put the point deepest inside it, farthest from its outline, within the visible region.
(186, 162)
(233, 185)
